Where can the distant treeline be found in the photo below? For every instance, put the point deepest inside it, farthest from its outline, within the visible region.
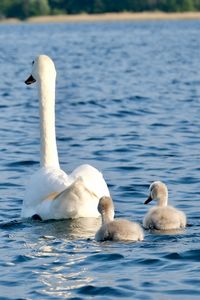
(26, 8)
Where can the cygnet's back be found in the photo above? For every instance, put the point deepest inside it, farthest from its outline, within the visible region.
(162, 216)
(118, 229)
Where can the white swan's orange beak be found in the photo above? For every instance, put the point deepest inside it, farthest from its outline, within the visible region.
(30, 80)
(149, 199)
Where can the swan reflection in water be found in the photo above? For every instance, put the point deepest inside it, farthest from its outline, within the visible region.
(62, 248)
(81, 228)
(57, 256)
(168, 232)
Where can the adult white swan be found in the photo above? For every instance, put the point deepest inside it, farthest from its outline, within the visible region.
(162, 216)
(51, 193)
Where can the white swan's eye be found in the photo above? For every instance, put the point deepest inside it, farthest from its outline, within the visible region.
(33, 62)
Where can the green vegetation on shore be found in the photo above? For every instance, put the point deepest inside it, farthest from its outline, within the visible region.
(23, 9)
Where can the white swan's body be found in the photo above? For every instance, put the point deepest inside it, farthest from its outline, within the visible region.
(51, 193)
(118, 229)
(163, 216)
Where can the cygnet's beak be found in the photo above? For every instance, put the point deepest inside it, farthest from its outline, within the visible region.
(149, 199)
(30, 80)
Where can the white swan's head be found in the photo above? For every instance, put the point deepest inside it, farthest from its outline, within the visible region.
(106, 209)
(42, 69)
(158, 191)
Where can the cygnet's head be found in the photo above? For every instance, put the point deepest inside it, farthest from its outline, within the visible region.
(158, 191)
(106, 209)
(42, 69)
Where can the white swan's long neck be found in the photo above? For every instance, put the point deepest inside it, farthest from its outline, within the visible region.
(48, 147)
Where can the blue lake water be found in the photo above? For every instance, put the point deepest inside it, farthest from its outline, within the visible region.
(127, 102)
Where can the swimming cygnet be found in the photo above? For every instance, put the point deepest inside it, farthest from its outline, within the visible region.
(118, 229)
(162, 216)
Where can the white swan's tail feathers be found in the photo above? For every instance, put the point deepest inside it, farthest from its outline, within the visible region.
(75, 201)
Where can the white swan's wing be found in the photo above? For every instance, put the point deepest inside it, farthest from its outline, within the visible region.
(44, 182)
(76, 201)
(53, 195)
(92, 178)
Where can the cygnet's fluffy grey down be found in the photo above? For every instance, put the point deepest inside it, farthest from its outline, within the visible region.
(162, 216)
(118, 229)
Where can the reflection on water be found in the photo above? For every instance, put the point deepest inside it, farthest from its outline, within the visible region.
(57, 244)
(70, 229)
(168, 232)
(60, 279)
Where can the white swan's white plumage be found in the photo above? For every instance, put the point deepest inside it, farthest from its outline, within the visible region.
(51, 193)
(116, 229)
(162, 216)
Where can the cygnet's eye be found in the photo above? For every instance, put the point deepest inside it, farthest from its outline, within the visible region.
(33, 62)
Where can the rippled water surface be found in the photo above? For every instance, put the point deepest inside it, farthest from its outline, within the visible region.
(128, 102)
